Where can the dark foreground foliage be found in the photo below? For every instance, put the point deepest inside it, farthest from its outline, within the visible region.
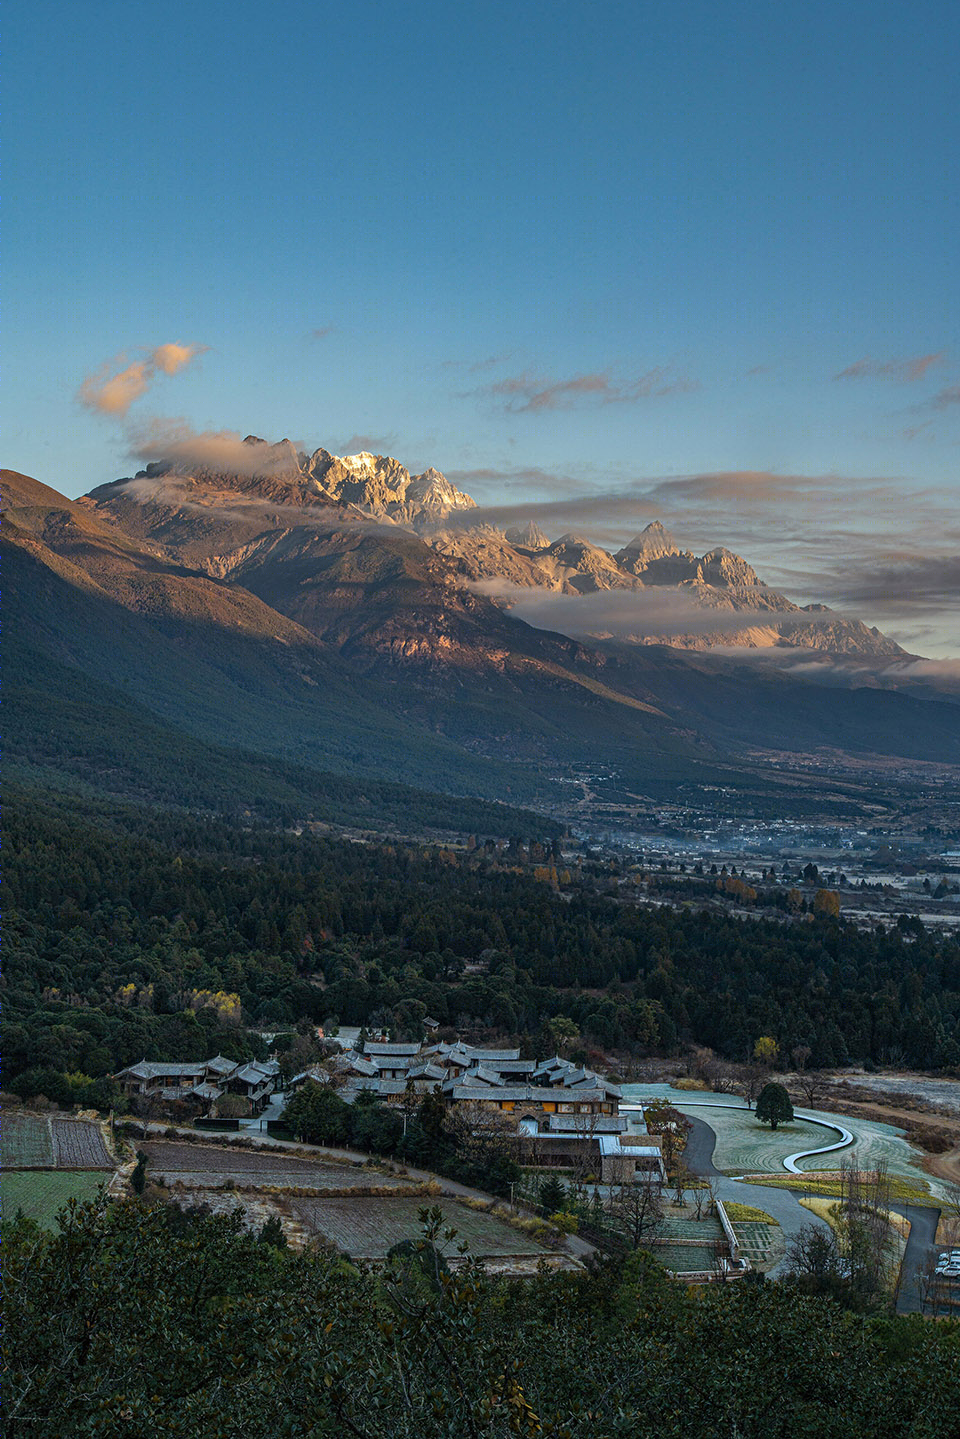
(139, 1320)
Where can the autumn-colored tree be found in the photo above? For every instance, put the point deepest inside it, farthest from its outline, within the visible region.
(826, 904)
(766, 1050)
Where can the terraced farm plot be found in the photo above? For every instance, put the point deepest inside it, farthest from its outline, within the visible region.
(42, 1193)
(686, 1226)
(26, 1141)
(369, 1228)
(762, 1244)
(202, 1166)
(685, 1258)
(78, 1144)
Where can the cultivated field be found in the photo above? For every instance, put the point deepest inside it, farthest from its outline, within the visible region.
(942, 1093)
(26, 1141)
(369, 1228)
(208, 1166)
(78, 1144)
(31, 1141)
(42, 1193)
(685, 1258)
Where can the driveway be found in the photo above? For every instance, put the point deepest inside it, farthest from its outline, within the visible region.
(781, 1204)
(923, 1232)
(784, 1206)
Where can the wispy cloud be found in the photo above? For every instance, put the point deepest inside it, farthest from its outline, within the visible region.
(918, 583)
(478, 367)
(946, 398)
(531, 394)
(114, 387)
(906, 371)
(736, 507)
(641, 615)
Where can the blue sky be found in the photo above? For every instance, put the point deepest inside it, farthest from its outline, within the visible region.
(553, 249)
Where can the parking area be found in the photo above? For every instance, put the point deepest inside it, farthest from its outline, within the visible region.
(940, 1284)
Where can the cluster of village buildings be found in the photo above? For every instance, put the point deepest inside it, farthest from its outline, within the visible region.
(560, 1112)
(204, 1082)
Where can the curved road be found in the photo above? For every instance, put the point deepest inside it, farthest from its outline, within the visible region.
(781, 1204)
(923, 1232)
(784, 1206)
(790, 1163)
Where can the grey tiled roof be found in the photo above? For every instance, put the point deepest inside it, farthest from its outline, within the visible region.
(484, 1074)
(593, 1081)
(530, 1093)
(151, 1069)
(598, 1123)
(358, 1064)
(428, 1071)
(372, 1050)
(219, 1065)
(490, 1056)
(513, 1066)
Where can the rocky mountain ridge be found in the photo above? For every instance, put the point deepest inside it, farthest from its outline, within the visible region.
(243, 613)
(278, 486)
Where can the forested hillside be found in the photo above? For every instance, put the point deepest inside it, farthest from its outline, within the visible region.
(134, 933)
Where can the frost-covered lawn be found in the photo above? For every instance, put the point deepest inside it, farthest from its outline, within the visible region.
(746, 1147)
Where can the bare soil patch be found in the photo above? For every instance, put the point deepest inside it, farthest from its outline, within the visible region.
(78, 1144)
(930, 1129)
(203, 1166)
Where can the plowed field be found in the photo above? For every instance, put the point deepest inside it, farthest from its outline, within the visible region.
(79, 1145)
(202, 1166)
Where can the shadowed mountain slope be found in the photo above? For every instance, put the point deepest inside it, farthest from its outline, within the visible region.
(248, 613)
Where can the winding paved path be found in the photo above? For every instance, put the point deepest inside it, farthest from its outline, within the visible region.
(790, 1163)
(784, 1206)
(781, 1204)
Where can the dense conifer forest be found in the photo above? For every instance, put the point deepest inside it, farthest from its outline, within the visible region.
(134, 932)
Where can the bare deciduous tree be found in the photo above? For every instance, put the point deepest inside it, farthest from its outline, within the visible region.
(811, 1086)
(637, 1211)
